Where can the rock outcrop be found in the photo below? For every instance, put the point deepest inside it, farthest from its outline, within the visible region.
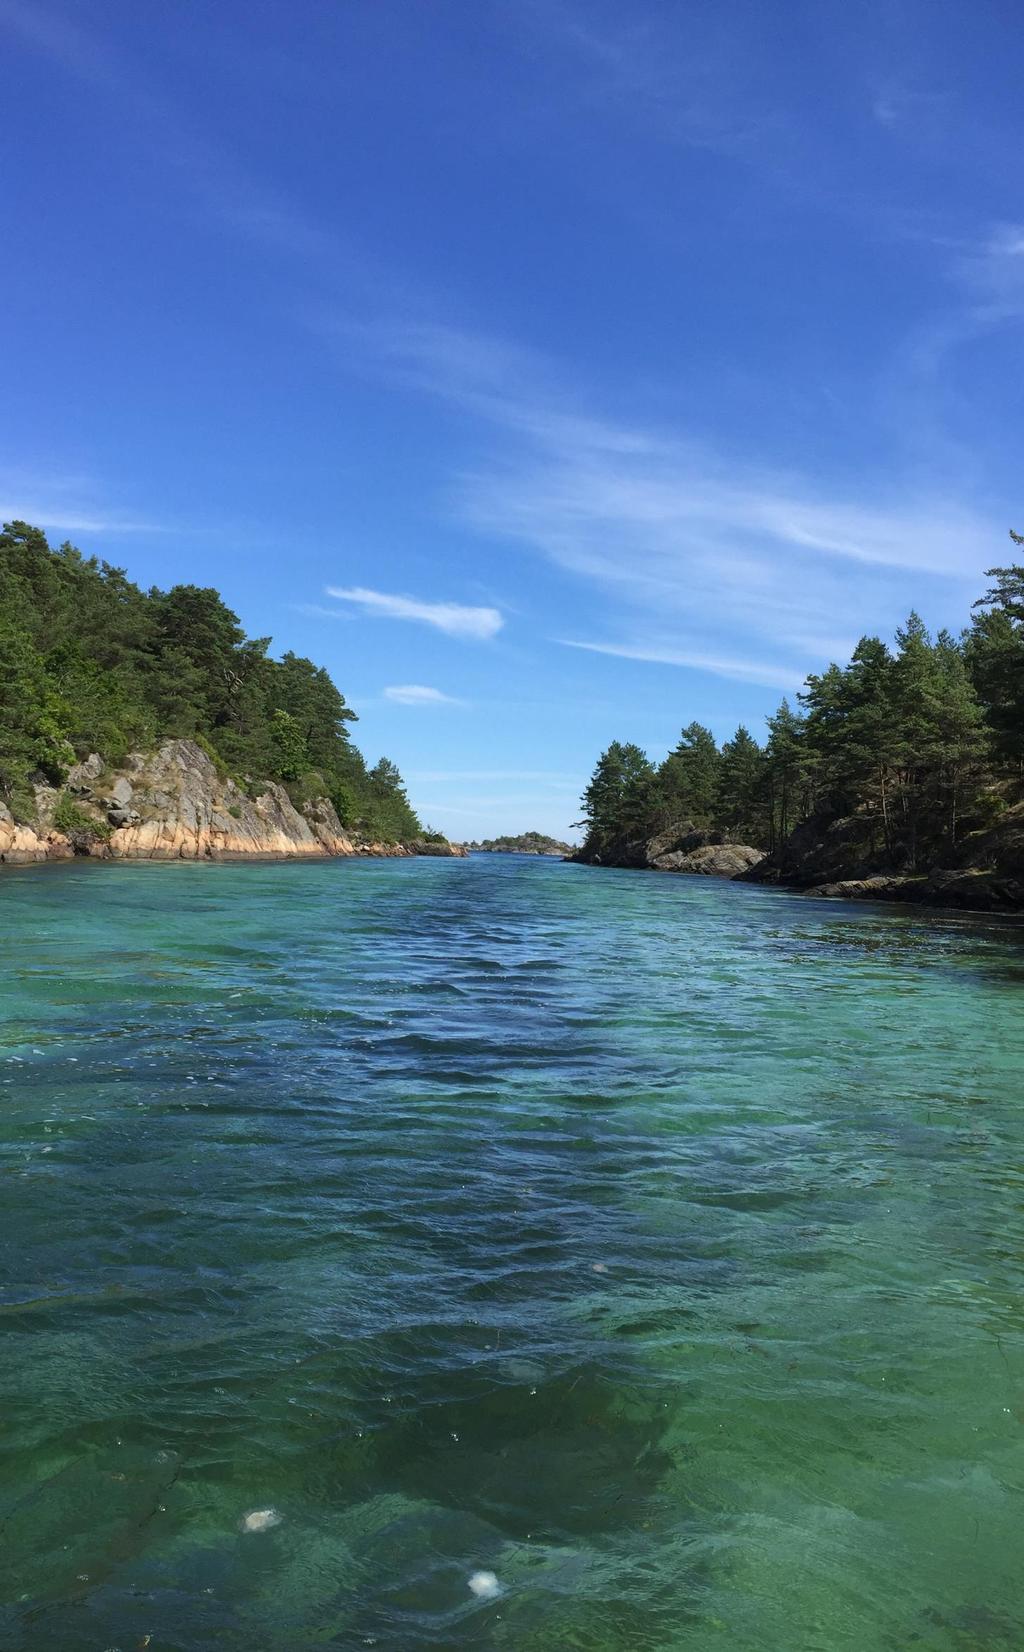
(970, 891)
(173, 804)
(714, 860)
(681, 848)
(438, 847)
(841, 857)
(19, 844)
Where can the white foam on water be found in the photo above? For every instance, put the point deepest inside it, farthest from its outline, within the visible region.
(484, 1585)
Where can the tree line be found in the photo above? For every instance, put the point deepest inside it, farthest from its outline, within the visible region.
(918, 742)
(91, 662)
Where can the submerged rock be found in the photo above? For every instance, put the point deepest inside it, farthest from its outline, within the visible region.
(64, 1537)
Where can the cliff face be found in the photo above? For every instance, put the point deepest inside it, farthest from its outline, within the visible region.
(171, 804)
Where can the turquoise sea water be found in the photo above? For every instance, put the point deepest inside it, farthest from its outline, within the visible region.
(654, 1245)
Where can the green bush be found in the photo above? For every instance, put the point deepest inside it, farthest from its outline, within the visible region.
(304, 787)
(212, 753)
(69, 817)
(22, 805)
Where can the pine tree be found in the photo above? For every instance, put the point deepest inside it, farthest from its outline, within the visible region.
(995, 655)
(851, 735)
(740, 803)
(958, 743)
(786, 773)
(601, 802)
(620, 802)
(638, 808)
(688, 779)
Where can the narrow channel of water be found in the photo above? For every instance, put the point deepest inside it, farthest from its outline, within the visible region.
(540, 1257)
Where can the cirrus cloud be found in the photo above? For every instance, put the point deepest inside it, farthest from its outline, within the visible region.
(453, 618)
(418, 694)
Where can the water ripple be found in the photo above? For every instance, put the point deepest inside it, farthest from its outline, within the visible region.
(653, 1245)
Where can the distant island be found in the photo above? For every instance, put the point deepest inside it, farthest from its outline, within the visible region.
(525, 843)
(899, 776)
(146, 725)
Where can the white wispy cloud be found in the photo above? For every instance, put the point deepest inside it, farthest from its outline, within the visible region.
(916, 109)
(686, 85)
(718, 665)
(65, 504)
(418, 694)
(693, 543)
(453, 618)
(993, 271)
(63, 521)
(575, 469)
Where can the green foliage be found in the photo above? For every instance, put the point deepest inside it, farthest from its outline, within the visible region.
(89, 662)
(898, 739)
(212, 753)
(346, 803)
(290, 756)
(389, 817)
(621, 803)
(70, 817)
(689, 778)
(523, 843)
(787, 788)
(913, 741)
(739, 803)
(995, 656)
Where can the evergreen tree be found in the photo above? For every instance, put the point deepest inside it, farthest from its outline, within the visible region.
(995, 655)
(389, 816)
(639, 804)
(851, 735)
(602, 799)
(620, 802)
(290, 751)
(908, 746)
(740, 803)
(786, 767)
(959, 747)
(89, 662)
(688, 780)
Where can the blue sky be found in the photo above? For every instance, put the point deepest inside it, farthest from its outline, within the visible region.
(551, 371)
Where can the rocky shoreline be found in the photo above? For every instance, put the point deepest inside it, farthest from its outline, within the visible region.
(836, 857)
(683, 848)
(524, 843)
(829, 858)
(174, 804)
